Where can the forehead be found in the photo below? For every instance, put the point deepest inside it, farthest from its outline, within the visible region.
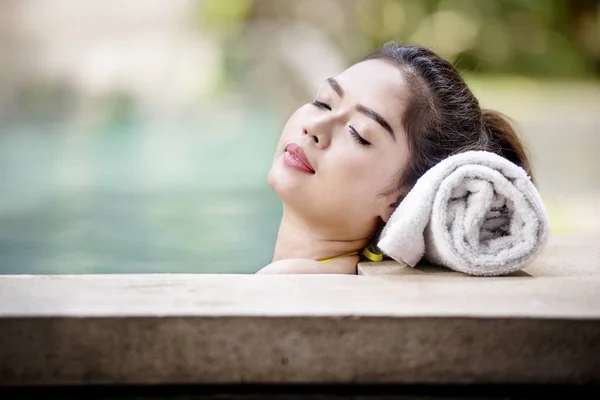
(376, 84)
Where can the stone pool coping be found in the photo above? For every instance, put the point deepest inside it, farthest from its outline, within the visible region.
(391, 324)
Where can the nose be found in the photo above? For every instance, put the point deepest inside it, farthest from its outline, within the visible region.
(312, 134)
(320, 131)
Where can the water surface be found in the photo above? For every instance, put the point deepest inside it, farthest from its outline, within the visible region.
(139, 199)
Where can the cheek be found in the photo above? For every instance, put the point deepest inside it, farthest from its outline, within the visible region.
(293, 127)
(367, 175)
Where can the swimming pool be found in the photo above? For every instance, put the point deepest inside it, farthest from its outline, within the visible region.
(140, 199)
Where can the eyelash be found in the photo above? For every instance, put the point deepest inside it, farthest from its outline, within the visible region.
(355, 135)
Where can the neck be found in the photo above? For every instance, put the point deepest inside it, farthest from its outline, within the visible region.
(298, 239)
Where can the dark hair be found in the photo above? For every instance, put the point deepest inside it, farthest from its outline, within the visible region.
(443, 117)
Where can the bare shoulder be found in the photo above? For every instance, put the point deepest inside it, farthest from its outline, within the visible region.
(306, 266)
(292, 266)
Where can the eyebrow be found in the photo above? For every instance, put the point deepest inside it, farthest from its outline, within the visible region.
(378, 118)
(362, 109)
(336, 86)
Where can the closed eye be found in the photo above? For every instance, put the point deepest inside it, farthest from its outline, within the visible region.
(321, 105)
(355, 135)
(357, 138)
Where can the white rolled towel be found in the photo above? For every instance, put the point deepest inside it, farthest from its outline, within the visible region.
(474, 212)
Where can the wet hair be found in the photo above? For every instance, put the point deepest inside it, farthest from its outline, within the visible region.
(443, 117)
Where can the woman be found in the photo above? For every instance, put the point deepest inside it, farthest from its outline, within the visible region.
(346, 160)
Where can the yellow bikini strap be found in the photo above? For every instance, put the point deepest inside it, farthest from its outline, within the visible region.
(333, 258)
(372, 254)
(369, 253)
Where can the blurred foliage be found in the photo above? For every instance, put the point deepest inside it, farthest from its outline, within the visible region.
(223, 14)
(546, 38)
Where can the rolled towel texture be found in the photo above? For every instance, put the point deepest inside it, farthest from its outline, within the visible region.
(474, 212)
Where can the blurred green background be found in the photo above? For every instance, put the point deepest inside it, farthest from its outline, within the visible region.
(136, 135)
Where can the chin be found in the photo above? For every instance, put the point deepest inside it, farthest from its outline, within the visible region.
(290, 189)
(280, 182)
(272, 180)
(277, 178)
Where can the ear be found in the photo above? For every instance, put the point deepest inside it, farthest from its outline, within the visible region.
(388, 206)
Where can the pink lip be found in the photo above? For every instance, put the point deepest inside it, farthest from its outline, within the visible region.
(296, 158)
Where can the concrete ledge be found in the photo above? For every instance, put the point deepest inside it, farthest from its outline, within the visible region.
(567, 255)
(146, 350)
(416, 328)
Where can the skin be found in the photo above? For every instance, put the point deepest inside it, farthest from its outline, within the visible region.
(336, 209)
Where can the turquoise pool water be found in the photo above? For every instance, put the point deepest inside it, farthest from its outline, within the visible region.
(103, 232)
(137, 199)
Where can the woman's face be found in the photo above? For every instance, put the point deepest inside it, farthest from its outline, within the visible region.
(338, 159)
